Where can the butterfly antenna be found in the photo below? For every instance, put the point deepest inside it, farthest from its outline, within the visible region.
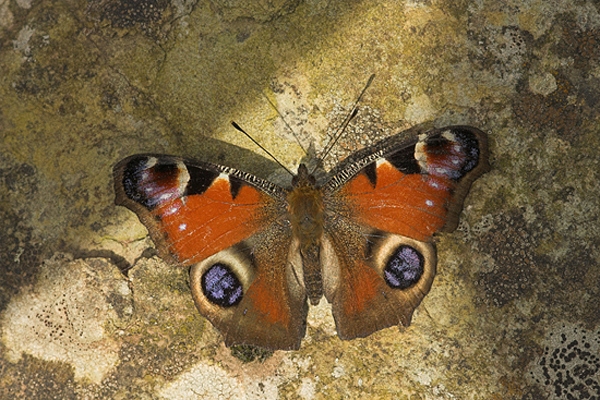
(239, 128)
(338, 133)
(286, 123)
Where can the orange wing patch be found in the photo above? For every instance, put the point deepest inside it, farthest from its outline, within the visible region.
(201, 225)
(266, 300)
(363, 303)
(412, 205)
(366, 285)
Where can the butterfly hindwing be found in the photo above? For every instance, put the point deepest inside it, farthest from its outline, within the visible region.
(250, 292)
(379, 261)
(225, 225)
(379, 283)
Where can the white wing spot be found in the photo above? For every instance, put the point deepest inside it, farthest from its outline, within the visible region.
(163, 198)
(429, 203)
(183, 177)
(173, 209)
(420, 155)
(449, 136)
(151, 162)
(223, 176)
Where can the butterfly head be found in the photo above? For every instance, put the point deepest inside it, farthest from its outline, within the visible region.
(304, 178)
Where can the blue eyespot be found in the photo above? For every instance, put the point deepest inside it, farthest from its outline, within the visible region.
(221, 286)
(404, 268)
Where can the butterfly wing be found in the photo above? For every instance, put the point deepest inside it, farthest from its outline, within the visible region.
(231, 228)
(386, 203)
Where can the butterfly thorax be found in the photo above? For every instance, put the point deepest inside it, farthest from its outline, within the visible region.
(305, 207)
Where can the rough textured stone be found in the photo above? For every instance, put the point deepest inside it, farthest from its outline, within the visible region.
(84, 84)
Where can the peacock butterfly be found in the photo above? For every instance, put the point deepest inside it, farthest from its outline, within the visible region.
(258, 251)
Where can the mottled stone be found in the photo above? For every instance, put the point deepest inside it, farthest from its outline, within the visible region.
(84, 84)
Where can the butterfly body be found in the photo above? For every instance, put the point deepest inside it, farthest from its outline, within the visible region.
(257, 251)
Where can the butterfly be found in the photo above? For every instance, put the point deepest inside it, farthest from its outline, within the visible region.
(258, 252)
